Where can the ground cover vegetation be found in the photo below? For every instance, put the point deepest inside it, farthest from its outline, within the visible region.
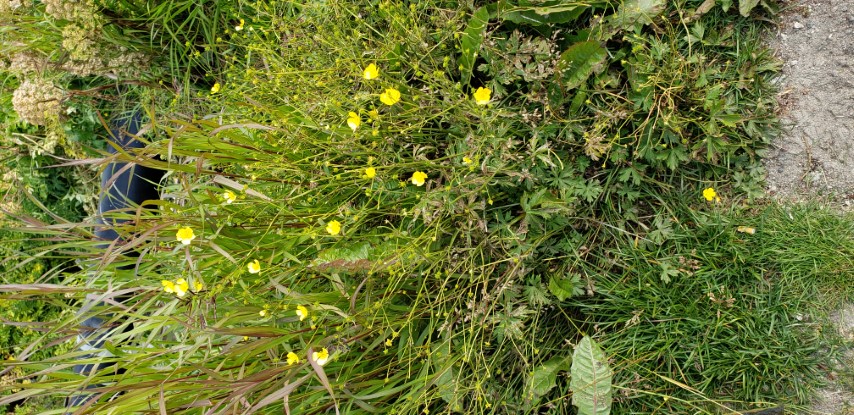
(419, 207)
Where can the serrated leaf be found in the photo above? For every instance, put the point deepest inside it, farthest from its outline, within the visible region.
(471, 41)
(577, 63)
(544, 377)
(745, 6)
(591, 379)
(637, 12)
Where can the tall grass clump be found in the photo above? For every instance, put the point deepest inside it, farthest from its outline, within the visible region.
(413, 208)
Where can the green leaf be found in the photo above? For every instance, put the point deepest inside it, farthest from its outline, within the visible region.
(745, 6)
(591, 379)
(564, 288)
(544, 377)
(470, 42)
(577, 63)
(550, 12)
(634, 13)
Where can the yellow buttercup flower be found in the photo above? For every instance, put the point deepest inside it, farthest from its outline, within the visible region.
(390, 97)
(198, 286)
(240, 26)
(371, 72)
(302, 312)
(374, 114)
(254, 267)
(229, 197)
(181, 287)
(353, 120)
(215, 88)
(185, 235)
(418, 178)
(388, 342)
(370, 172)
(333, 227)
(262, 313)
(168, 286)
(711, 195)
(482, 95)
(321, 357)
(467, 160)
(292, 358)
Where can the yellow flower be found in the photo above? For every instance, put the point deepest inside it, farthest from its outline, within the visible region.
(390, 97)
(292, 358)
(353, 120)
(481, 96)
(229, 197)
(215, 88)
(198, 286)
(240, 26)
(371, 72)
(374, 114)
(254, 267)
(418, 178)
(181, 287)
(333, 227)
(711, 195)
(185, 235)
(302, 312)
(321, 357)
(168, 286)
(262, 313)
(388, 342)
(370, 172)
(467, 160)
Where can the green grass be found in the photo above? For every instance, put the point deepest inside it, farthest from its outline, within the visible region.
(570, 204)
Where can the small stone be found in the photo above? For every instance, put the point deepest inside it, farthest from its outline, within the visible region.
(799, 25)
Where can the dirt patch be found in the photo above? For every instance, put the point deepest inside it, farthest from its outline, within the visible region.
(814, 157)
(815, 154)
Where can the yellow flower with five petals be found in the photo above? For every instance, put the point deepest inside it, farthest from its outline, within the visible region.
(333, 227)
(302, 312)
(482, 96)
(292, 358)
(418, 178)
(185, 235)
(353, 120)
(321, 357)
(371, 72)
(390, 97)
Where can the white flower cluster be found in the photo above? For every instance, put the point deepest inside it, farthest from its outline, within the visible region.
(27, 62)
(71, 10)
(9, 6)
(37, 101)
(79, 41)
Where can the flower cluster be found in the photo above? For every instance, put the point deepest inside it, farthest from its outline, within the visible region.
(71, 10)
(37, 101)
(180, 287)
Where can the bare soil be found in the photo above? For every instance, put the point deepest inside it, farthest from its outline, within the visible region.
(814, 157)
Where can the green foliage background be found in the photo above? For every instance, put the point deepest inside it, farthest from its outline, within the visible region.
(569, 205)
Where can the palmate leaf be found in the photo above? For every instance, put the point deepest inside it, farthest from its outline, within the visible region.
(591, 379)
